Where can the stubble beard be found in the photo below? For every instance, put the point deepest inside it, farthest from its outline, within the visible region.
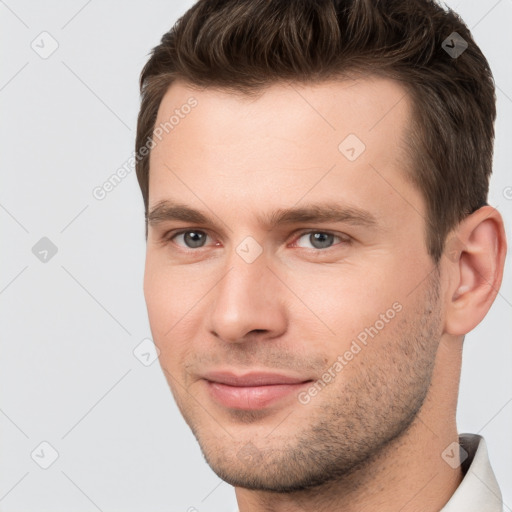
(351, 427)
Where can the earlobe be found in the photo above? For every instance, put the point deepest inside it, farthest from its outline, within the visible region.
(475, 256)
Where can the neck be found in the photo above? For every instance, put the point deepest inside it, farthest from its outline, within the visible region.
(408, 474)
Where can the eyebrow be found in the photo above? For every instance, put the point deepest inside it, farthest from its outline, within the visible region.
(167, 210)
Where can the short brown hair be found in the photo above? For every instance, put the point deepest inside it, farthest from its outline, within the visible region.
(245, 45)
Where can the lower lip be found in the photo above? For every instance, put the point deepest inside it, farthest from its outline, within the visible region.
(251, 397)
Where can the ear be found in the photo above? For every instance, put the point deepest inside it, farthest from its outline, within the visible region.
(474, 258)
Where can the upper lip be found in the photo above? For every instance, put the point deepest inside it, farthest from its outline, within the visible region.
(252, 378)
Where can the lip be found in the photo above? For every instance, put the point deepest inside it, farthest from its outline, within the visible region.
(252, 378)
(251, 391)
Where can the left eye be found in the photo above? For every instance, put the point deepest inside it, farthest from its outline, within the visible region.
(319, 239)
(193, 239)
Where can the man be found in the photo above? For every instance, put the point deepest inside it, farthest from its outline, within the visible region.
(315, 176)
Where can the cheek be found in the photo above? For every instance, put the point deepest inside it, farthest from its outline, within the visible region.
(171, 294)
(343, 300)
(171, 324)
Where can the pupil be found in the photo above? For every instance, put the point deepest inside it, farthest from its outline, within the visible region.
(321, 238)
(190, 241)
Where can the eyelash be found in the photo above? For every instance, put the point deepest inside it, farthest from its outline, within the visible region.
(345, 239)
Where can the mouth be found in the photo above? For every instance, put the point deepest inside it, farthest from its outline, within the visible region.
(252, 391)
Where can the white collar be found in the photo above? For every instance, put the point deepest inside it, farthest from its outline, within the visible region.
(479, 490)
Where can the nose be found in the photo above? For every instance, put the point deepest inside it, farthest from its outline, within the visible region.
(248, 301)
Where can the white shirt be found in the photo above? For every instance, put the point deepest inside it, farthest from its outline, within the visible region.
(479, 490)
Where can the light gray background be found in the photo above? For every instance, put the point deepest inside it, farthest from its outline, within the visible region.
(68, 374)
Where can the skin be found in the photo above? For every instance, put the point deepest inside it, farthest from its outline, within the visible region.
(387, 416)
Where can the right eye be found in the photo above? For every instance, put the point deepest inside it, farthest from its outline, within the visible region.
(192, 238)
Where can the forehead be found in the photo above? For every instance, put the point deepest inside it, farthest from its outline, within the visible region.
(362, 102)
(275, 147)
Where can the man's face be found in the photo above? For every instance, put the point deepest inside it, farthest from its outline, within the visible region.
(296, 347)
